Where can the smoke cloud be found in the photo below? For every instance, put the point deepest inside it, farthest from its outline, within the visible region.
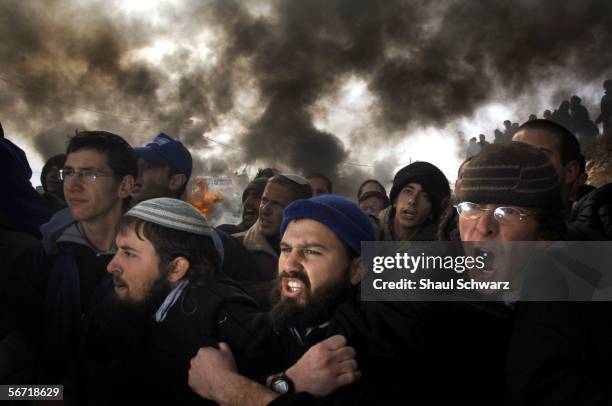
(425, 66)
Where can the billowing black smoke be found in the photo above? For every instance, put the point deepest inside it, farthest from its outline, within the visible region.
(425, 64)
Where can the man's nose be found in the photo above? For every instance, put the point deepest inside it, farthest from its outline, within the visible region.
(73, 181)
(487, 225)
(292, 262)
(414, 198)
(111, 265)
(264, 207)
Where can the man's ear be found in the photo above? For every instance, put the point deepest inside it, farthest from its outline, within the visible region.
(357, 270)
(177, 181)
(126, 186)
(180, 266)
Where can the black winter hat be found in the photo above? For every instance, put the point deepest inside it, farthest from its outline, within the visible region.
(429, 176)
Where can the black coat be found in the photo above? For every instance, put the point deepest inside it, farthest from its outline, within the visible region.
(428, 352)
(422, 353)
(591, 217)
(155, 368)
(561, 354)
(561, 351)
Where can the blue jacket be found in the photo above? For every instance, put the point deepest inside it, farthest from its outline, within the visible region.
(47, 290)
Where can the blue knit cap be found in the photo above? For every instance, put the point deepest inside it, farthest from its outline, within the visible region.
(337, 213)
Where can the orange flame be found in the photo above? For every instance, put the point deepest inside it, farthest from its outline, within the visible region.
(202, 198)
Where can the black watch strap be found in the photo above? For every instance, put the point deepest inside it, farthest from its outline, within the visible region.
(282, 384)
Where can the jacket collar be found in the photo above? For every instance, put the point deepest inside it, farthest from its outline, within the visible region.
(424, 233)
(254, 240)
(384, 219)
(74, 233)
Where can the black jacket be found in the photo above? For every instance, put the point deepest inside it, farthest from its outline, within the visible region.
(422, 353)
(54, 291)
(591, 217)
(155, 369)
(408, 351)
(561, 354)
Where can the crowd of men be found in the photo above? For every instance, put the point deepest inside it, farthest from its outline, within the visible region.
(117, 288)
(571, 114)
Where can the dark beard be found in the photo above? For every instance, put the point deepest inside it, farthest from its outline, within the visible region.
(149, 305)
(319, 308)
(126, 314)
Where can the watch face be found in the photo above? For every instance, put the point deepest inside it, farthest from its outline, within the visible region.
(280, 386)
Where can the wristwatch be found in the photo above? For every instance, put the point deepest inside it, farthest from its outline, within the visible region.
(282, 384)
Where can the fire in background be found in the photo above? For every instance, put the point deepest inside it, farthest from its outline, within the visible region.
(202, 198)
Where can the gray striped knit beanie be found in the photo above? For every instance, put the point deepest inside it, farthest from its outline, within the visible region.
(514, 174)
(172, 213)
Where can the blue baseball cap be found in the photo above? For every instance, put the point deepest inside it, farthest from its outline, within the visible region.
(164, 150)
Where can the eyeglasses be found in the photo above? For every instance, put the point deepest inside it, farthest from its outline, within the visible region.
(503, 214)
(87, 175)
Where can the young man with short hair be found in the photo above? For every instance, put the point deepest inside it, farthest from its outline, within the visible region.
(561, 147)
(586, 219)
(62, 282)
